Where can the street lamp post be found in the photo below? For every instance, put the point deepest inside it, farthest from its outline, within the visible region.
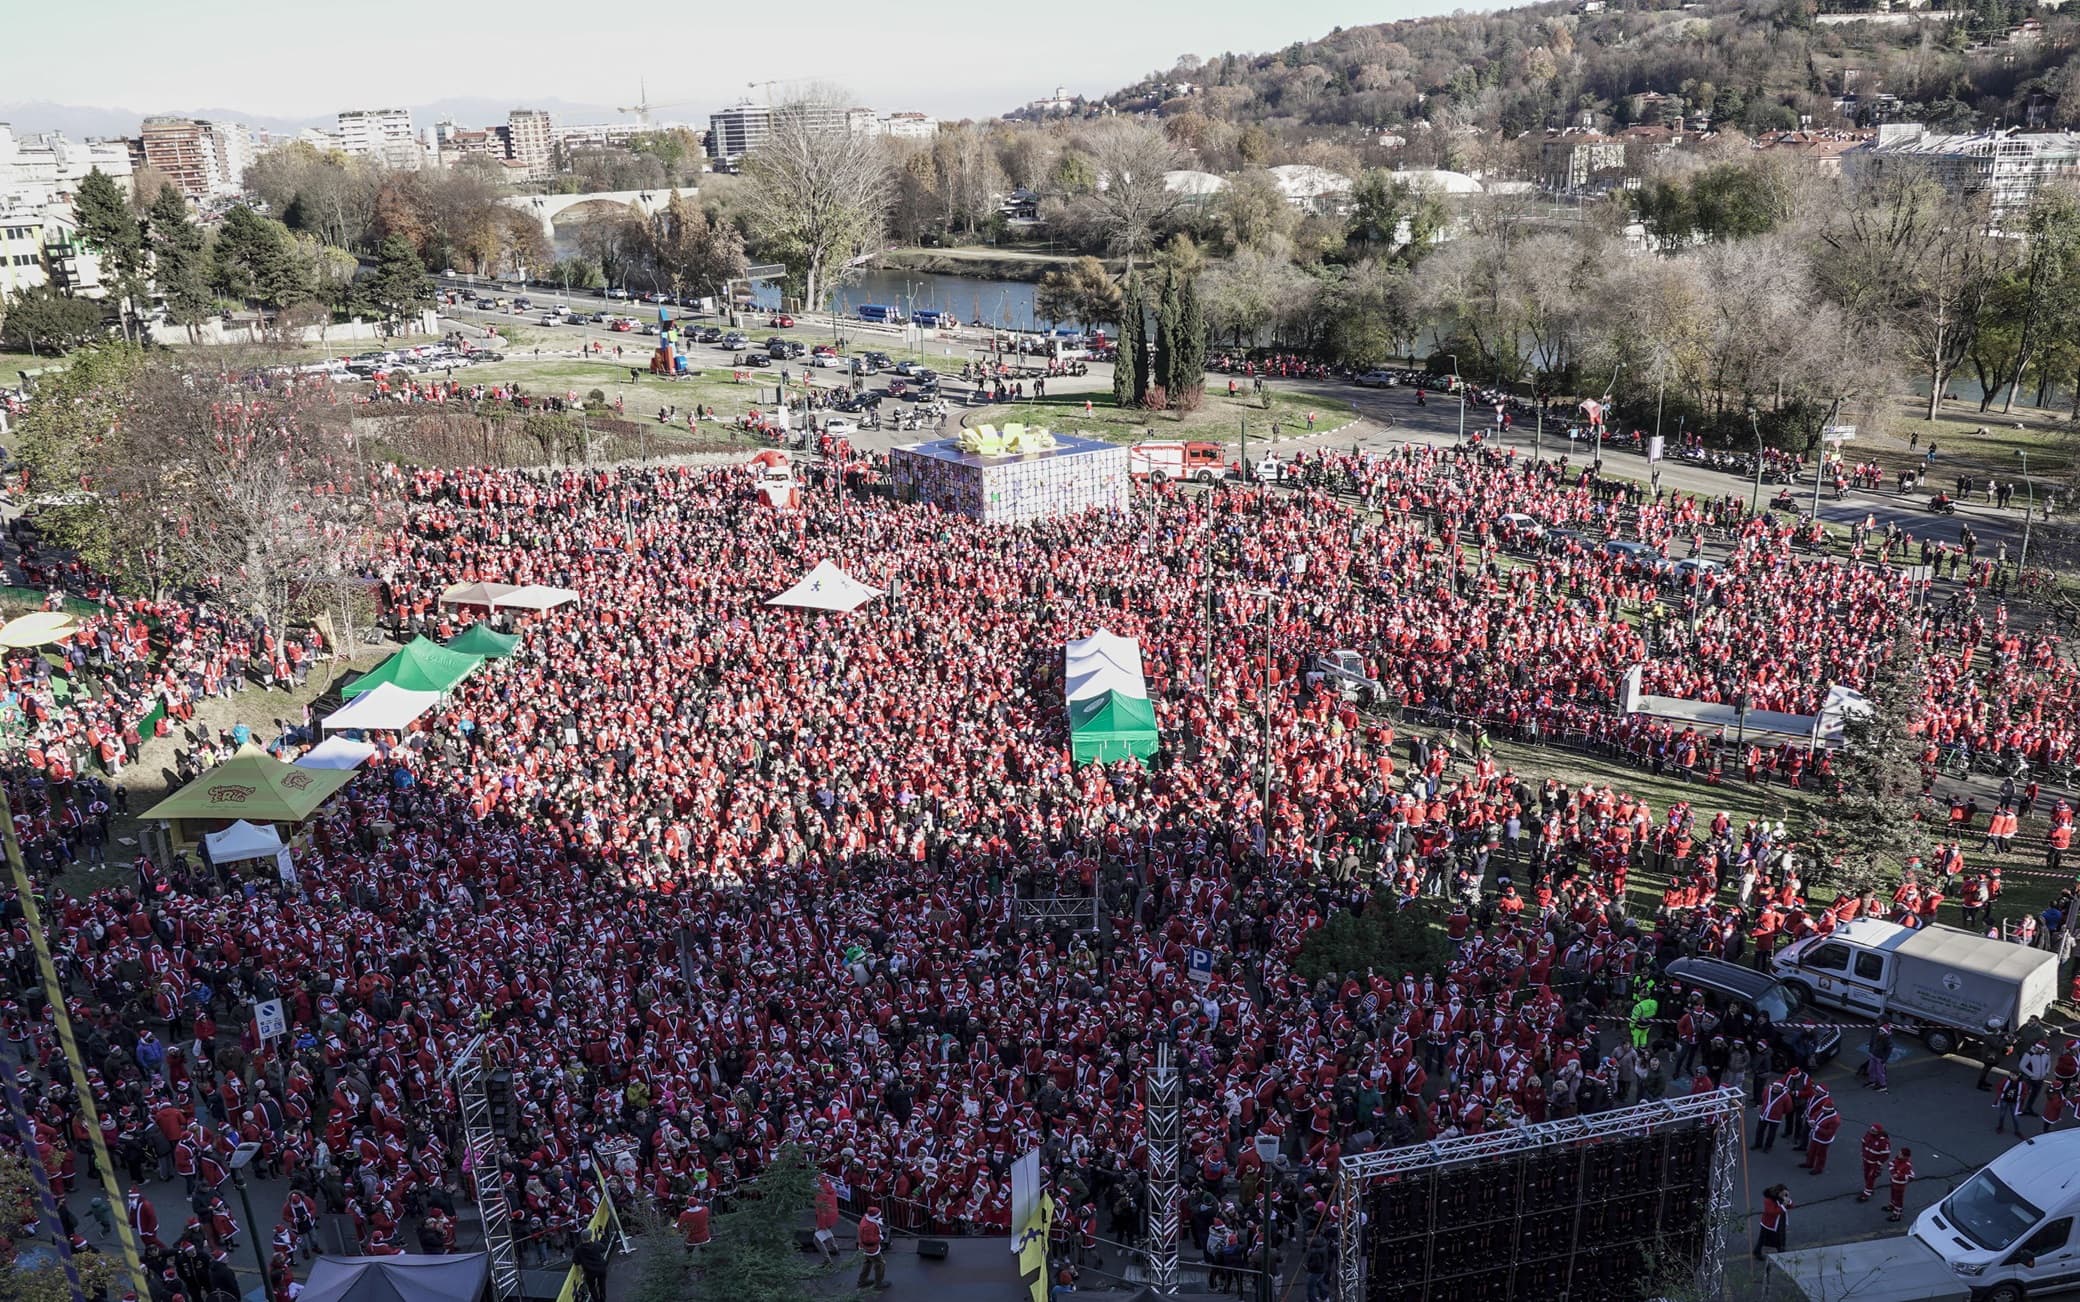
(2029, 509)
(1460, 385)
(1755, 423)
(1596, 466)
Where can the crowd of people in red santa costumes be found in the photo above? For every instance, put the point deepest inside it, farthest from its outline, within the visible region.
(716, 878)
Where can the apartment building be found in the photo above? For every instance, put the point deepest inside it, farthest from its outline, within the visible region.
(381, 134)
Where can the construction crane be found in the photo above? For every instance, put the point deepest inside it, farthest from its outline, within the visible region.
(641, 108)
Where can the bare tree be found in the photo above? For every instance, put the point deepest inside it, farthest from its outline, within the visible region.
(260, 499)
(819, 195)
(1132, 200)
(1903, 252)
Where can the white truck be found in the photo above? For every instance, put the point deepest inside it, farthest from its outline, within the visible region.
(1344, 671)
(2009, 1231)
(2006, 1234)
(1946, 984)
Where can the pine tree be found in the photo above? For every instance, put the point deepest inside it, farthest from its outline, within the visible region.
(1870, 824)
(112, 232)
(752, 1256)
(1126, 365)
(256, 260)
(399, 285)
(180, 260)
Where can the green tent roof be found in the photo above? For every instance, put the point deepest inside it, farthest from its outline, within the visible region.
(255, 786)
(1111, 726)
(481, 639)
(422, 666)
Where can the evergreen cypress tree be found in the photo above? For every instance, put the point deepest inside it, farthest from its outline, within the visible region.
(1188, 383)
(1163, 366)
(1126, 366)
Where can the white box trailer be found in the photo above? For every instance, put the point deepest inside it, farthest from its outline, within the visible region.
(1892, 1269)
(1946, 984)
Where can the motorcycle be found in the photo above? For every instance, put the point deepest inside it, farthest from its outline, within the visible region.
(1942, 504)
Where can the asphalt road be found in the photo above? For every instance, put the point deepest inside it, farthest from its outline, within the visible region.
(1391, 416)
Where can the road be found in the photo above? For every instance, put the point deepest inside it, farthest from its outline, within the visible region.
(1391, 416)
(1387, 417)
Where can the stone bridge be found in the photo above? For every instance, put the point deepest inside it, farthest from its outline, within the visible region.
(546, 208)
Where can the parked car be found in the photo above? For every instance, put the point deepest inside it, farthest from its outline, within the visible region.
(909, 368)
(486, 304)
(621, 325)
(708, 334)
(732, 341)
(1635, 553)
(550, 319)
(840, 425)
(1520, 527)
(1727, 986)
(781, 321)
(878, 361)
(617, 293)
(1378, 380)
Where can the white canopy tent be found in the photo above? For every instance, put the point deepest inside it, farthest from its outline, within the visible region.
(476, 594)
(827, 588)
(1096, 677)
(243, 840)
(336, 753)
(536, 596)
(1124, 652)
(386, 706)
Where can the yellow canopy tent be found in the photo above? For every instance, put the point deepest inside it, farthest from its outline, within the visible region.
(252, 785)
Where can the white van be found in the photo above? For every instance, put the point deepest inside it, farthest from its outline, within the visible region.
(2009, 1232)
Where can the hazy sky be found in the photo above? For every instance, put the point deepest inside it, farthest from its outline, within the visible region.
(295, 58)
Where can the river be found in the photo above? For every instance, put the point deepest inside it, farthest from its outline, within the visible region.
(1007, 303)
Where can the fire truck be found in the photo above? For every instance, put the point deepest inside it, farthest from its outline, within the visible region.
(1203, 463)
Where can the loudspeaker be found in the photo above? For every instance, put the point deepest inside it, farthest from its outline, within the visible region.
(932, 1249)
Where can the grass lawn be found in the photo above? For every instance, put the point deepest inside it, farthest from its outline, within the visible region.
(12, 362)
(1219, 419)
(1968, 440)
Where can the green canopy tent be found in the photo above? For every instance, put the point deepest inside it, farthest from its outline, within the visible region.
(422, 666)
(1111, 726)
(252, 785)
(483, 640)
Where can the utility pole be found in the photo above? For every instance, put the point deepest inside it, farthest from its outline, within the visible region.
(1755, 423)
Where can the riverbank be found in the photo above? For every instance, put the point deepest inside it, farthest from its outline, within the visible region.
(995, 263)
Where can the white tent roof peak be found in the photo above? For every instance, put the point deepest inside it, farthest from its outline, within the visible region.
(335, 753)
(243, 840)
(827, 588)
(384, 706)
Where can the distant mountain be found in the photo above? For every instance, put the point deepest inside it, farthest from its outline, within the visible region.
(31, 116)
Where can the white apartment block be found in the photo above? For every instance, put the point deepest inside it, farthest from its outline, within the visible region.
(2006, 166)
(39, 170)
(528, 140)
(205, 160)
(382, 134)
